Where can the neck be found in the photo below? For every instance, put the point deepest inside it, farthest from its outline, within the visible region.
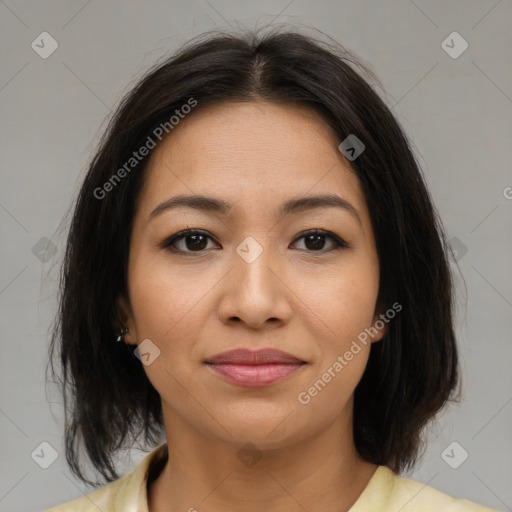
(321, 472)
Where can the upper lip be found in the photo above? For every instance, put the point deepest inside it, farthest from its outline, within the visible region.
(247, 356)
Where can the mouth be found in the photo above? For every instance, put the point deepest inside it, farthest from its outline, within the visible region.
(254, 368)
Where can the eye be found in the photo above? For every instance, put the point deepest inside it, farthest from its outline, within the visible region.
(196, 241)
(315, 240)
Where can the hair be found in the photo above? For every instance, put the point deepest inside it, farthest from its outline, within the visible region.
(411, 373)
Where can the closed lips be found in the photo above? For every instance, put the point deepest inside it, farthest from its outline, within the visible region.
(254, 357)
(255, 368)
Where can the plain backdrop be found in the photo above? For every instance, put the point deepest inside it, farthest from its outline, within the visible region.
(456, 107)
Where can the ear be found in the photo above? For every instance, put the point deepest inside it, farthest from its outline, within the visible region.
(380, 323)
(125, 316)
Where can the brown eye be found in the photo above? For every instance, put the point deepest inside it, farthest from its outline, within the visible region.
(315, 240)
(188, 241)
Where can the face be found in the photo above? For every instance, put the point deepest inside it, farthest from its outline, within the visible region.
(254, 277)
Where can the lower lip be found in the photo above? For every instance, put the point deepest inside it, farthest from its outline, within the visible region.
(255, 375)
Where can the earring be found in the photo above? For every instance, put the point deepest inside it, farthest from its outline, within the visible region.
(121, 336)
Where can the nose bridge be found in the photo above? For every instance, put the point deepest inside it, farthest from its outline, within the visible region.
(253, 263)
(254, 293)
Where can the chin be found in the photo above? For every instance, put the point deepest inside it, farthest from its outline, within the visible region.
(267, 427)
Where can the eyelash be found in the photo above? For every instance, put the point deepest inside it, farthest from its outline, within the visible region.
(167, 244)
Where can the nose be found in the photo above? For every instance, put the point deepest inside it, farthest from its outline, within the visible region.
(255, 292)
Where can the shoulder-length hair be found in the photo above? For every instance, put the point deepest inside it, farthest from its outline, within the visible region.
(411, 373)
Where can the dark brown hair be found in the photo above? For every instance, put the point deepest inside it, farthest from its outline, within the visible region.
(411, 373)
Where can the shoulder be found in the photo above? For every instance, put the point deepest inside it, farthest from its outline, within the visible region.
(124, 494)
(389, 492)
(101, 499)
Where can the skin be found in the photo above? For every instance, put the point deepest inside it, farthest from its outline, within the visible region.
(309, 300)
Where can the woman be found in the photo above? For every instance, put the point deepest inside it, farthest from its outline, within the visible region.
(256, 270)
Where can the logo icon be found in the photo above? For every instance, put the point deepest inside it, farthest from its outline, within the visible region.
(249, 455)
(44, 455)
(454, 455)
(351, 147)
(147, 352)
(44, 250)
(249, 249)
(458, 247)
(454, 45)
(44, 45)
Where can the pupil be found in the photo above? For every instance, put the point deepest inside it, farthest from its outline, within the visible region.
(316, 239)
(196, 245)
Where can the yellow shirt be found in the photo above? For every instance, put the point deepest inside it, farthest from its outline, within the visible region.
(385, 492)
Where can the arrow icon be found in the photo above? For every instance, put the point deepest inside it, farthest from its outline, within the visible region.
(44, 455)
(454, 45)
(147, 352)
(454, 455)
(249, 249)
(44, 45)
(351, 147)
(249, 454)
(44, 250)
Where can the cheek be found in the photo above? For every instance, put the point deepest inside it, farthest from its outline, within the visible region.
(170, 303)
(330, 393)
(161, 293)
(339, 304)
(164, 308)
(156, 298)
(352, 310)
(346, 309)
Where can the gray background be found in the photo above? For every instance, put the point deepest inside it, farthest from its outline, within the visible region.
(457, 111)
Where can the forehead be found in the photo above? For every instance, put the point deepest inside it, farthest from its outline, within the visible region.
(249, 152)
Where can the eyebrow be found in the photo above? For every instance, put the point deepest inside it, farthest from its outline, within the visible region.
(294, 205)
